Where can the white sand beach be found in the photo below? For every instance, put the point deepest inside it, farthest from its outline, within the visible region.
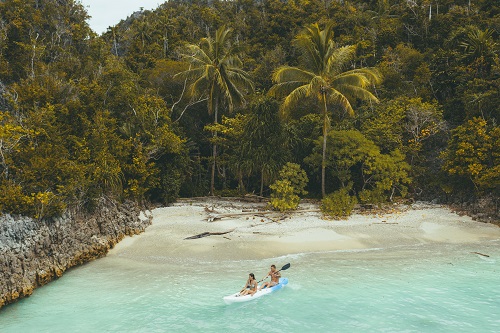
(254, 233)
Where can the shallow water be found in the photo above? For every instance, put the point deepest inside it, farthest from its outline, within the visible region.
(431, 288)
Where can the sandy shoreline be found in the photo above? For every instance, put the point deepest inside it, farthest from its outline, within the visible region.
(256, 236)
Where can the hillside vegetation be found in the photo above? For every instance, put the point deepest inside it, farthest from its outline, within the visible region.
(358, 101)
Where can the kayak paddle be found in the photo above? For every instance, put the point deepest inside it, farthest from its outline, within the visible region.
(284, 268)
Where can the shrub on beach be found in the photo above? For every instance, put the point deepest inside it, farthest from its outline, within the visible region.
(338, 204)
(283, 197)
(296, 176)
(376, 196)
(286, 190)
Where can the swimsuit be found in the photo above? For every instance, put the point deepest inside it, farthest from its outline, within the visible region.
(250, 286)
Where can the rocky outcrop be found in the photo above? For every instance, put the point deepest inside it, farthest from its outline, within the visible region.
(33, 252)
(486, 209)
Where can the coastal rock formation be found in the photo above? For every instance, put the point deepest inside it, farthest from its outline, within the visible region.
(33, 252)
(486, 209)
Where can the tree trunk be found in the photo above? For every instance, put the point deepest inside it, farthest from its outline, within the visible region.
(261, 181)
(115, 41)
(115, 46)
(240, 182)
(323, 161)
(224, 178)
(165, 44)
(33, 56)
(214, 154)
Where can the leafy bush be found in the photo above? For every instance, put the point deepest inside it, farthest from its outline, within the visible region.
(338, 204)
(472, 158)
(37, 205)
(296, 176)
(286, 190)
(376, 196)
(356, 163)
(228, 193)
(283, 197)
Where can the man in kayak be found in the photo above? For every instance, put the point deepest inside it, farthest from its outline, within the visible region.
(275, 278)
(250, 287)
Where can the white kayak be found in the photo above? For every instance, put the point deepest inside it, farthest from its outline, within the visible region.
(236, 298)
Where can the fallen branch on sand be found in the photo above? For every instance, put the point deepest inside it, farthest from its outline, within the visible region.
(484, 255)
(213, 217)
(206, 234)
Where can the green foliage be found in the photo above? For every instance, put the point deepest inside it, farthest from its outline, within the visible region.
(247, 143)
(356, 162)
(384, 125)
(228, 136)
(303, 134)
(283, 197)
(322, 75)
(384, 176)
(76, 125)
(296, 176)
(83, 116)
(286, 190)
(412, 126)
(375, 196)
(473, 155)
(422, 121)
(13, 200)
(423, 53)
(264, 143)
(339, 204)
(228, 193)
(216, 74)
(402, 67)
(479, 44)
(216, 71)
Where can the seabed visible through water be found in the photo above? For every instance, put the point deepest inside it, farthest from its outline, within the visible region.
(431, 288)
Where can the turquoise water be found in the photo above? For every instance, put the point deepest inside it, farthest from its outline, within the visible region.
(409, 289)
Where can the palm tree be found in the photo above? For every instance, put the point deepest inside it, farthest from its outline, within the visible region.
(143, 33)
(324, 77)
(383, 10)
(262, 135)
(479, 43)
(215, 68)
(114, 34)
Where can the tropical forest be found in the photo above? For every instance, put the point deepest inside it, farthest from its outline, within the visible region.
(345, 102)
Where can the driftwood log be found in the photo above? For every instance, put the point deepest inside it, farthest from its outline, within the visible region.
(481, 254)
(212, 217)
(206, 234)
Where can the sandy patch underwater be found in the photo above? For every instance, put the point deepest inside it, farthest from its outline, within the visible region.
(413, 289)
(374, 277)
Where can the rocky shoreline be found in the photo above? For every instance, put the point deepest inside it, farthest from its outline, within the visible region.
(486, 209)
(33, 252)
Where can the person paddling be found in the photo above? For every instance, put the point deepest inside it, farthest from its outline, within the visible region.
(250, 287)
(275, 278)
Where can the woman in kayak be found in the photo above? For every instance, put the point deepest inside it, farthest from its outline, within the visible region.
(250, 287)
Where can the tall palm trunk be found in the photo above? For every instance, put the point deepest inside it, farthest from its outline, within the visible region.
(241, 186)
(262, 181)
(319, 52)
(325, 133)
(165, 43)
(214, 153)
